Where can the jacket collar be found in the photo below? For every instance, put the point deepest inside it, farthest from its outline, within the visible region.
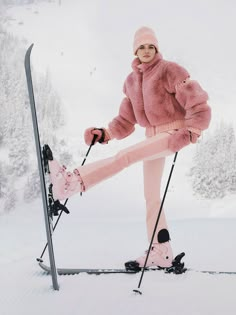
(143, 67)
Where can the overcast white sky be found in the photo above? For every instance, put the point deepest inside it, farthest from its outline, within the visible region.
(71, 39)
(77, 36)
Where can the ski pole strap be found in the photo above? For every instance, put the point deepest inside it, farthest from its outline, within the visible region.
(94, 139)
(102, 138)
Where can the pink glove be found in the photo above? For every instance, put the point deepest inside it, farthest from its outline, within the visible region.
(101, 133)
(181, 138)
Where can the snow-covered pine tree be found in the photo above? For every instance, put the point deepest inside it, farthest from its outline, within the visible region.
(10, 200)
(231, 156)
(63, 154)
(16, 133)
(3, 181)
(32, 187)
(49, 108)
(213, 174)
(12, 84)
(18, 152)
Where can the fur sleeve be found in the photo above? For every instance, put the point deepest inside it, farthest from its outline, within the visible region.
(174, 75)
(123, 124)
(193, 98)
(189, 95)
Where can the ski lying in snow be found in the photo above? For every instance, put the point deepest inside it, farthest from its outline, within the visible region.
(97, 271)
(91, 271)
(131, 267)
(214, 272)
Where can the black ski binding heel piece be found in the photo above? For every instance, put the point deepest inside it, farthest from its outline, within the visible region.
(177, 266)
(47, 156)
(132, 265)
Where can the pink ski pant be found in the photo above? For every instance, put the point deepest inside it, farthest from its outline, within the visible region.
(152, 151)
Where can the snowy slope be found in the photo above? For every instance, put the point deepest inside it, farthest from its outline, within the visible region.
(87, 51)
(81, 242)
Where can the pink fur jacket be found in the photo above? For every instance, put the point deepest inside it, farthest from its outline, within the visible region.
(161, 94)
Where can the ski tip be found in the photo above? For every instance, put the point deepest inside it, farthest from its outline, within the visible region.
(31, 46)
(136, 292)
(28, 52)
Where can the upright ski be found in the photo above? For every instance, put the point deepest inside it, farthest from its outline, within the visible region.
(41, 169)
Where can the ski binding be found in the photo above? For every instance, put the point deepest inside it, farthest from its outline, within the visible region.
(176, 268)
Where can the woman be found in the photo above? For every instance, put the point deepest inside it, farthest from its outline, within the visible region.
(161, 97)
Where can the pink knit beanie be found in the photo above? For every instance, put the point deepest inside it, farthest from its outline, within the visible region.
(142, 36)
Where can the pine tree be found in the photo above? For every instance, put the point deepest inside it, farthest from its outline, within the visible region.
(32, 187)
(16, 130)
(10, 200)
(49, 108)
(214, 172)
(3, 181)
(18, 151)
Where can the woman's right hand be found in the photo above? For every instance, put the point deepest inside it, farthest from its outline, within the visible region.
(101, 134)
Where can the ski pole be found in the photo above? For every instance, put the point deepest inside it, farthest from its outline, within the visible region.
(155, 228)
(58, 218)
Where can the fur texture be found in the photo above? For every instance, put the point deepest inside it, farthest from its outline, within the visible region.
(179, 139)
(160, 93)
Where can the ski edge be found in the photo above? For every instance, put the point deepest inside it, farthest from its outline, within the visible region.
(214, 272)
(94, 271)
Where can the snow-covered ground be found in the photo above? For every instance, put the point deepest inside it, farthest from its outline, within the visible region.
(106, 226)
(98, 235)
(87, 239)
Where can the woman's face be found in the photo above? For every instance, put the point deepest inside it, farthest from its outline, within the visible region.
(146, 53)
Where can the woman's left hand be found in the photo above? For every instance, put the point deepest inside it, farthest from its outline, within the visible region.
(181, 138)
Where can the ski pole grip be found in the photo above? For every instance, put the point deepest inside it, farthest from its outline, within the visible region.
(94, 139)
